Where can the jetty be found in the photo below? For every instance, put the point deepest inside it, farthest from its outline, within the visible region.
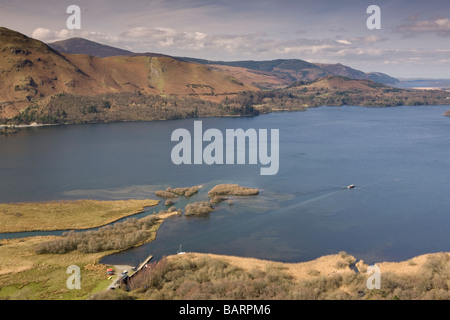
(124, 277)
(143, 264)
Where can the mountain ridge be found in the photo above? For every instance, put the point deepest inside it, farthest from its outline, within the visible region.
(32, 72)
(79, 45)
(286, 69)
(39, 84)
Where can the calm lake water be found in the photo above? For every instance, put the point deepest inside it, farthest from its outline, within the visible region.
(398, 158)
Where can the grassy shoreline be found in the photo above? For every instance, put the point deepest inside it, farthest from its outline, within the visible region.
(43, 277)
(67, 215)
(203, 276)
(24, 274)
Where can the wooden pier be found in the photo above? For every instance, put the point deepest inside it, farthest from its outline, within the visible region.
(143, 264)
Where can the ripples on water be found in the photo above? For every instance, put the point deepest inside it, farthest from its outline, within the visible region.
(398, 159)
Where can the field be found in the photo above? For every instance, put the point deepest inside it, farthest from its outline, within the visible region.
(36, 267)
(194, 276)
(64, 215)
(26, 273)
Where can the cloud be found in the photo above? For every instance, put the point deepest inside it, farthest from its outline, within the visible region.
(367, 40)
(344, 42)
(357, 52)
(258, 45)
(413, 26)
(300, 31)
(161, 38)
(47, 35)
(251, 45)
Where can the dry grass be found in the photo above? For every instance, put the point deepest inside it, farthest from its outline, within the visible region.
(232, 190)
(119, 236)
(187, 191)
(169, 203)
(24, 274)
(198, 208)
(175, 192)
(165, 194)
(326, 265)
(64, 215)
(208, 276)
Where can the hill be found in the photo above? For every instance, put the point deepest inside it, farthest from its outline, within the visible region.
(382, 78)
(336, 91)
(31, 70)
(293, 70)
(95, 49)
(341, 83)
(33, 75)
(285, 71)
(40, 84)
(84, 46)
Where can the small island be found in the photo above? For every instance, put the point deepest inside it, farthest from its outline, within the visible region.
(218, 194)
(232, 190)
(198, 208)
(175, 192)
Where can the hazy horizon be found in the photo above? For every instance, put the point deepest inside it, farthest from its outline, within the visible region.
(412, 42)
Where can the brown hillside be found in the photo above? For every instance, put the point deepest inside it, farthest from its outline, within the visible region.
(31, 72)
(155, 75)
(343, 83)
(260, 79)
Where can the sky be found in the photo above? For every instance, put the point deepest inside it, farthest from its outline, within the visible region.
(413, 42)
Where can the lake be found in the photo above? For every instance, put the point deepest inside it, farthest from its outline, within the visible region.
(398, 159)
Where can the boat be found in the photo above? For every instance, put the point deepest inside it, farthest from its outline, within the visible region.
(179, 251)
(350, 186)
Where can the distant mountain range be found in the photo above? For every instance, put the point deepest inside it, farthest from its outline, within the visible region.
(77, 80)
(424, 83)
(84, 46)
(286, 70)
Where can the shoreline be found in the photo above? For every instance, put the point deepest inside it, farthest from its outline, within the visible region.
(249, 262)
(21, 267)
(326, 266)
(303, 109)
(31, 125)
(331, 277)
(103, 207)
(275, 110)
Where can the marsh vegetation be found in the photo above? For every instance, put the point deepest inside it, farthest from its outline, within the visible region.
(202, 277)
(198, 208)
(119, 236)
(232, 190)
(175, 192)
(67, 215)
